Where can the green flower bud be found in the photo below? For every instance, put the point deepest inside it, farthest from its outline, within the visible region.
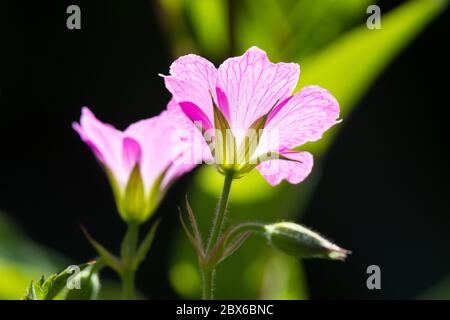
(296, 240)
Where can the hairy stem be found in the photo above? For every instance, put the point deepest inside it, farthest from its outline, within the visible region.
(208, 289)
(220, 213)
(208, 272)
(255, 227)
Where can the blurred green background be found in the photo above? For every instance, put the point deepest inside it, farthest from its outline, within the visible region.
(328, 38)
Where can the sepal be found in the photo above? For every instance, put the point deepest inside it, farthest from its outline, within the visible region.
(145, 246)
(106, 257)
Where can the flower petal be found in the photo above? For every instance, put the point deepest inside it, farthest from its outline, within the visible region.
(196, 115)
(305, 117)
(153, 136)
(131, 152)
(76, 126)
(161, 147)
(193, 147)
(193, 79)
(189, 148)
(253, 85)
(274, 171)
(105, 141)
(222, 102)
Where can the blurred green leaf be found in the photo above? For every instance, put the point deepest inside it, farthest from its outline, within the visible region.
(15, 277)
(286, 29)
(21, 259)
(16, 246)
(205, 16)
(352, 63)
(317, 23)
(439, 291)
(196, 26)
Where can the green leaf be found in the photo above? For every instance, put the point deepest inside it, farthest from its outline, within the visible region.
(145, 245)
(49, 288)
(30, 293)
(89, 284)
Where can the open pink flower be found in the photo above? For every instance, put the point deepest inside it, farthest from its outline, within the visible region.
(250, 93)
(141, 161)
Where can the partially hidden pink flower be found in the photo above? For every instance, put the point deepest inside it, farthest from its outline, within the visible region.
(141, 161)
(249, 93)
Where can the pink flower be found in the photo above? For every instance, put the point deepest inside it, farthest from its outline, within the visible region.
(249, 93)
(141, 162)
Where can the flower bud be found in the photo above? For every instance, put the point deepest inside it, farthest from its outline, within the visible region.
(296, 240)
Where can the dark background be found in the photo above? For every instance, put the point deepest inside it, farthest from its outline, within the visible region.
(387, 173)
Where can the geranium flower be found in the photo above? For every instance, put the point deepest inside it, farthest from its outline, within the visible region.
(250, 99)
(141, 162)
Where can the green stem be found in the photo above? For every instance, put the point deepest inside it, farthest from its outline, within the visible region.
(256, 227)
(220, 211)
(128, 251)
(208, 272)
(128, 285)
(208, 278)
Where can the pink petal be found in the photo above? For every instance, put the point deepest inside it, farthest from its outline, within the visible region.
(274, 171)
(188, 146)
(253, 85)
(222, 102)
(105, 141)
(277, 109)
(153, 137)
(76, 126)
(193, 146)
(151, 143)
(196, 115)
(131, 153)
(193, 79)
(161, 146)
(303, 118)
